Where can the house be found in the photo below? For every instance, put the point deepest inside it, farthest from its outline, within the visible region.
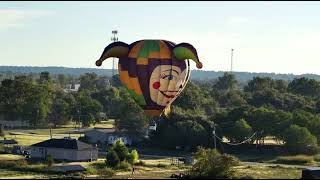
(72, 87)
(106, 136)
(14, 124)
(67, 149)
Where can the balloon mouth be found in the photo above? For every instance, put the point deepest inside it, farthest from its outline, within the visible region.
(167, 96)
(199, 65)
(98, 63)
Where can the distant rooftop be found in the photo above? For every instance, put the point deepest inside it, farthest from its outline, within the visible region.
(66, 143)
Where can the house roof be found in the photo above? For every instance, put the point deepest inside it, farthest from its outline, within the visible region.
(65, 143)
(103, 130)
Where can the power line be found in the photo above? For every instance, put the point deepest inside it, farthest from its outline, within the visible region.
(235, 144)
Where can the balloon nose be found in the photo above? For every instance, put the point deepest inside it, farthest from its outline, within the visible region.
(98, 63)
(199, 65)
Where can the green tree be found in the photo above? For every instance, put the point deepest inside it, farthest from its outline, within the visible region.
(305, 86)
(62, 79)
(226, 82)
(300, 140)
(209, 163)
(44, 77)
(88, 81)
(240, 131)
(86, 110)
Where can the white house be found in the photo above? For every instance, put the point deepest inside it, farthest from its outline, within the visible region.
(64, 149)
(72, 87)
(106, 136)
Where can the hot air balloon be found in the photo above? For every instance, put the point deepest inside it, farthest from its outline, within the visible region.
(154, 71)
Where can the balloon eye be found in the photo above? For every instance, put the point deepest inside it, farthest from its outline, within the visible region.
(180, 86)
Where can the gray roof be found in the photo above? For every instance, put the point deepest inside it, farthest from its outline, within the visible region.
(65, 143)
(103, 130)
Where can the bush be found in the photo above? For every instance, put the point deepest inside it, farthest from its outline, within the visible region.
(140, 163)
(112, 159)
(160, 165)
(133, 157)
(300, 140)
(298, 159)
(1, 131)
(316, 157)
(124, 165)
(106, 172)
(119, 153)
(49, 160)
(211, 164)
(13, 164)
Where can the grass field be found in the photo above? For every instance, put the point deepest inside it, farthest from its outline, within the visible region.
(29, 137)
(263, 172)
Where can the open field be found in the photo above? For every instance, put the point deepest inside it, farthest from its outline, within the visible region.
(155, 168)
(28, 137)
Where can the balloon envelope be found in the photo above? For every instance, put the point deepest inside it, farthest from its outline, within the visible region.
(152, 71)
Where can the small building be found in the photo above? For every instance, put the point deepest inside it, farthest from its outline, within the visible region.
(72, 87)
(64, 149)
(106, 136)
(17, 124)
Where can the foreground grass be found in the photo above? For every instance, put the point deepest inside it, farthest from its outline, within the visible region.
(264, 172)
(10, 157)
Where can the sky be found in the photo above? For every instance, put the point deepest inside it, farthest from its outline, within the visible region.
(267, 36)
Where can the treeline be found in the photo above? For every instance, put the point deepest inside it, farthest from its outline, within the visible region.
(285, 110)
(11, 71)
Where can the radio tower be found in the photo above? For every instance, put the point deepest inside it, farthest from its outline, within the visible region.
(231, 60)
(114, 39)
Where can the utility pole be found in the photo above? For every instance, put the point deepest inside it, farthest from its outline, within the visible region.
(231, 60)
(214, 136)
(114, 39)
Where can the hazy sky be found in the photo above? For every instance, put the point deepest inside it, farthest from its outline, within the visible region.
(280, 37)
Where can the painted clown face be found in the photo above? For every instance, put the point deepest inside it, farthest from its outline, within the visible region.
(153, 71)
(166, 82)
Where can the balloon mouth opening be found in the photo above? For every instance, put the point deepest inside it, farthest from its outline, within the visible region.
(98, 63)
(199, 65)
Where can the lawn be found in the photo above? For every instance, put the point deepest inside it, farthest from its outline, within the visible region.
(10, 157)
(28, 137)
(271, 172)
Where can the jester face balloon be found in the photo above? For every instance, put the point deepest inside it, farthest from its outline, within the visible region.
(154, 71)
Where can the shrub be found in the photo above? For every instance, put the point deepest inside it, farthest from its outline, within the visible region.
(133, 157)
(211, 164)
(300, 140)
(49, 160)
(1, 131)
(140, 163)
(316, 157)
(298, 159)
(112, 158)
(160, 165)
(106, 172)
(13, 164)
(119, 153)
(124, 165)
